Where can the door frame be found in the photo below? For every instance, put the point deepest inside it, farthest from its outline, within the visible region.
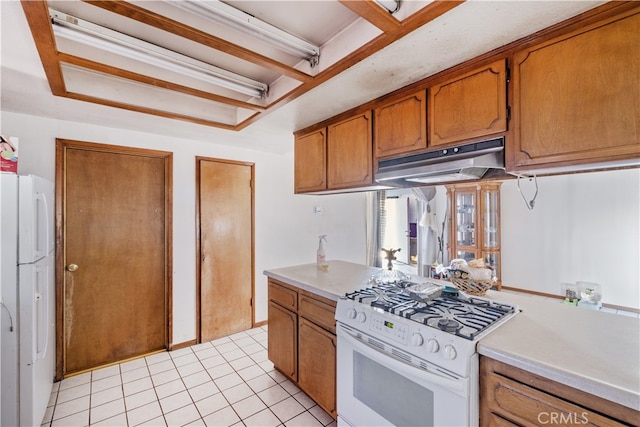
(60, 208)
(198, 240)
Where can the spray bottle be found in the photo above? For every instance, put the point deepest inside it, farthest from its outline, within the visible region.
(321, 256)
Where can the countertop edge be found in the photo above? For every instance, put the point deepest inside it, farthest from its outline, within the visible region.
(605, 391)
(301, 285)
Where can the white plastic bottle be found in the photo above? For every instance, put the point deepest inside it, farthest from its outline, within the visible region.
(321, 257)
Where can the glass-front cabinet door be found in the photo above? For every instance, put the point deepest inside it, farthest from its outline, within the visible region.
(466, 219)
(475, 223)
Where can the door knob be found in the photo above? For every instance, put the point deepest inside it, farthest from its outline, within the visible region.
(72, 267)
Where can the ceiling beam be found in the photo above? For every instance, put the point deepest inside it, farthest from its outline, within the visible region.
(164, 23)
(372, 12)
(37, 15)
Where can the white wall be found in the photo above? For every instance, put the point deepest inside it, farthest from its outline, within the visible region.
(286, 228)
(583, 227)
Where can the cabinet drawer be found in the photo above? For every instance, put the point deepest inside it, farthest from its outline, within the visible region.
(321, 313)
(528, 406)
(284, 296)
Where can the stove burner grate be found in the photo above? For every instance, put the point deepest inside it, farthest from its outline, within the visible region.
(461, 315)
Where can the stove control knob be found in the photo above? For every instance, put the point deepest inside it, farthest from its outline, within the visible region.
(417, 340)
(450, 352)
(351, 314)
(361, 317)
(433, 346)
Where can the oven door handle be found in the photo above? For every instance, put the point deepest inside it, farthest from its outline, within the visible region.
(459, 386)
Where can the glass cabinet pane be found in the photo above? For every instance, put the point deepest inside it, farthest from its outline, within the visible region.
(493, 259)
(465, 219)
(466, 255)
(491, 228)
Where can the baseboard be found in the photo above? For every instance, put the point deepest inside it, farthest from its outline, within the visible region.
(178, 346)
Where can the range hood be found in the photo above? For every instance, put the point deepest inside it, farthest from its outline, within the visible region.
(463, 162)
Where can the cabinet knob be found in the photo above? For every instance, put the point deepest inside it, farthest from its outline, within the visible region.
(72, 267)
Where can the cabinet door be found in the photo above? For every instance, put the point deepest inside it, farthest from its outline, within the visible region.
(349, 152)
(310, 162)
(576, 97)
(283, 339)
(464, 233)
(401, 126)
(317, 361)
(470, 106)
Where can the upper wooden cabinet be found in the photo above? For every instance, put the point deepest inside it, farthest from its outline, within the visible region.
(401, 126)
(349, 152)
(310, 162)
(469, 106)
(576, 97)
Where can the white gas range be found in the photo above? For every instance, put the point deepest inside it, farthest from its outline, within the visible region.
(408, 362)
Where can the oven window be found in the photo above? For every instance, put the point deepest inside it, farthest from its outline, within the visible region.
(399, 400)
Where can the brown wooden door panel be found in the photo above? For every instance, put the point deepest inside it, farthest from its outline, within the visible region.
(115, 303)
(283, 340)
(310, 162)
(317, 364)
(401, 126)
(576, 97)
(226, 247)
(470, 106)
(349, 152)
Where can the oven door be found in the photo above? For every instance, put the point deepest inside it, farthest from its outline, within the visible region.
(376, 388)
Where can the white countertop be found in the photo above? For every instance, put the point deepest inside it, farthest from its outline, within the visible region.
(590, 350)
(341, 277)
(593, 351)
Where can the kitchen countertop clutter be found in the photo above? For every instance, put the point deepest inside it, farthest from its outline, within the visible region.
(592, 351)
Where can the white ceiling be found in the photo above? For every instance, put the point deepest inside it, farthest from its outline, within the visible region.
(466, 31)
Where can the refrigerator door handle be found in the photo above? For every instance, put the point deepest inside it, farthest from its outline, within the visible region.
(42, 224)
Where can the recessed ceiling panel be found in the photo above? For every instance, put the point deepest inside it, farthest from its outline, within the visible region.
(144, 97)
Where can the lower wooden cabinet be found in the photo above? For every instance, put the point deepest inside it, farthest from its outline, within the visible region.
(283, 340)
(317, 364)
(302, 341)
(510, 396)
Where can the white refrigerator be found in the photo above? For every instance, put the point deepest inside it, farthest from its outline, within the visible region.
(27, 291)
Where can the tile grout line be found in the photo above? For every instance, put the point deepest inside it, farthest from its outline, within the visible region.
(243, 335)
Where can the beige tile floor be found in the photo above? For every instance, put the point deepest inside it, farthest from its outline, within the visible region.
(226, 382)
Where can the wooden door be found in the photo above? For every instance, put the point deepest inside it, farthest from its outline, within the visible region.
(225, 209)
(349, 152)
(113, 257)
